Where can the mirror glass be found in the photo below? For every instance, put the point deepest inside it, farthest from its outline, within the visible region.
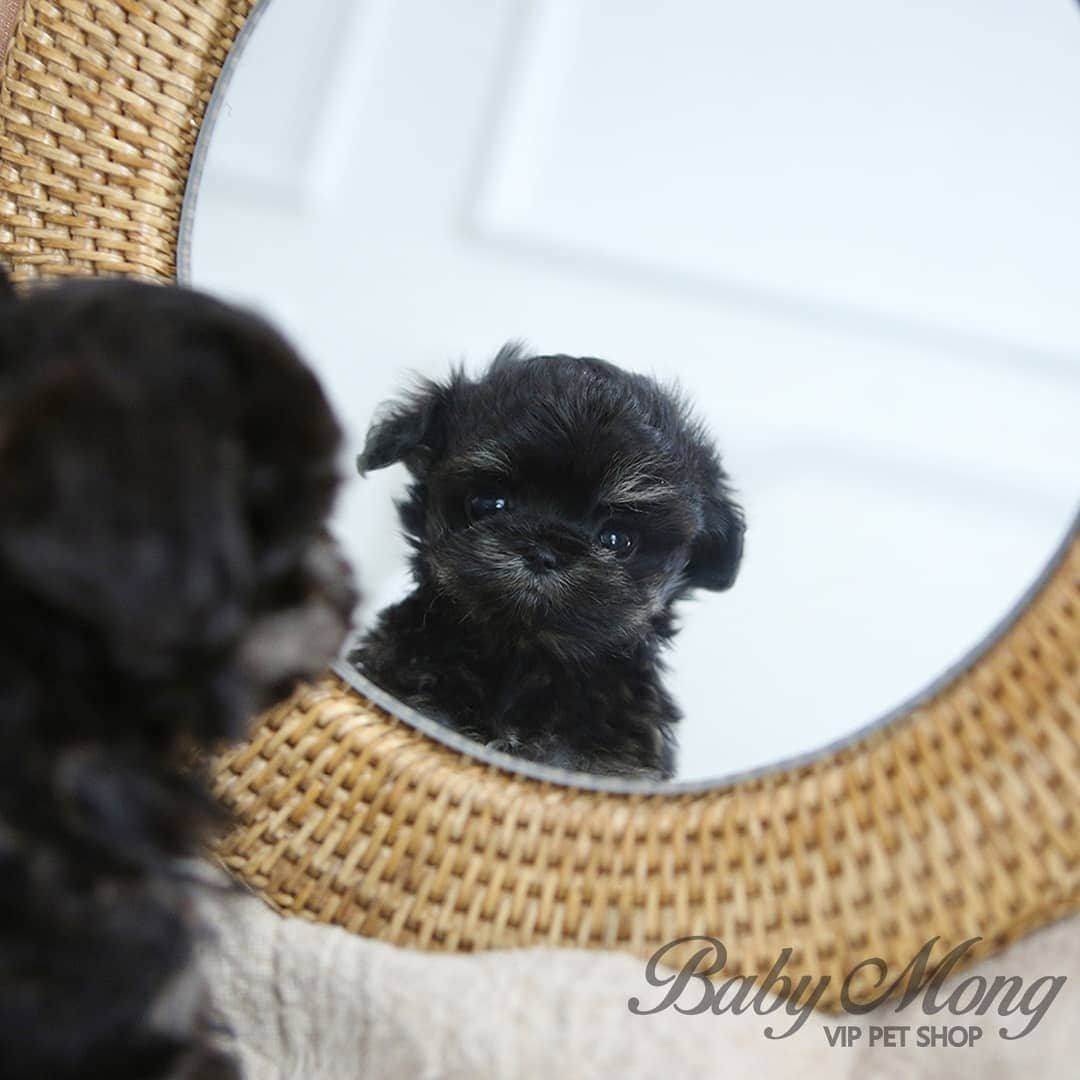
(847, 230)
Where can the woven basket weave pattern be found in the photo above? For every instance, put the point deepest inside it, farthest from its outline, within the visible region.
(959, 820)
(99, 112)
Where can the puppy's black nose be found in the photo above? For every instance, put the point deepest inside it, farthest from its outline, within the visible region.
(542, 558)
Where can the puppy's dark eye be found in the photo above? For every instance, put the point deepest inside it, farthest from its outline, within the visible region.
(481, 506)
(616, 539)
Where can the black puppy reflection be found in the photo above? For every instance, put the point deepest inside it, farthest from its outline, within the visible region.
(559, 508)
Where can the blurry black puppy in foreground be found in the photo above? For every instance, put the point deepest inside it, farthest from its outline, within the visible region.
(559, 508)
(166, 466)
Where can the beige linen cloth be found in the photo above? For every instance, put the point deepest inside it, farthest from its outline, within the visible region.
(307, 1002)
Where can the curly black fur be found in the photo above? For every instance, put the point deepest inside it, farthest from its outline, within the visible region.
(559, 508)
(166, 466)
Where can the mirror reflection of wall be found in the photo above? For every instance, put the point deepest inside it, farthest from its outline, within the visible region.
(847, 230)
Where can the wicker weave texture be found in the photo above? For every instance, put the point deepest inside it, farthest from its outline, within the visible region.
(99, 112)
(959, 821)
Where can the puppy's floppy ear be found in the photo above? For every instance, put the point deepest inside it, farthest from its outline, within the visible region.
(717, 549)
(411, 430)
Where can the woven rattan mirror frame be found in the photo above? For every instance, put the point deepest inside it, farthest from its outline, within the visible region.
(958, 818)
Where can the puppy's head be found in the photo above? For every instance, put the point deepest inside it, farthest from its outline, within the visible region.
(560, 500)
(166, 465)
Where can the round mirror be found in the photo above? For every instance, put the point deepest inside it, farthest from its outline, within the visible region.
(847, 234)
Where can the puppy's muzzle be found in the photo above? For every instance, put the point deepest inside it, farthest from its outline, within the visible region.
(547, 550)
(541, 559)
